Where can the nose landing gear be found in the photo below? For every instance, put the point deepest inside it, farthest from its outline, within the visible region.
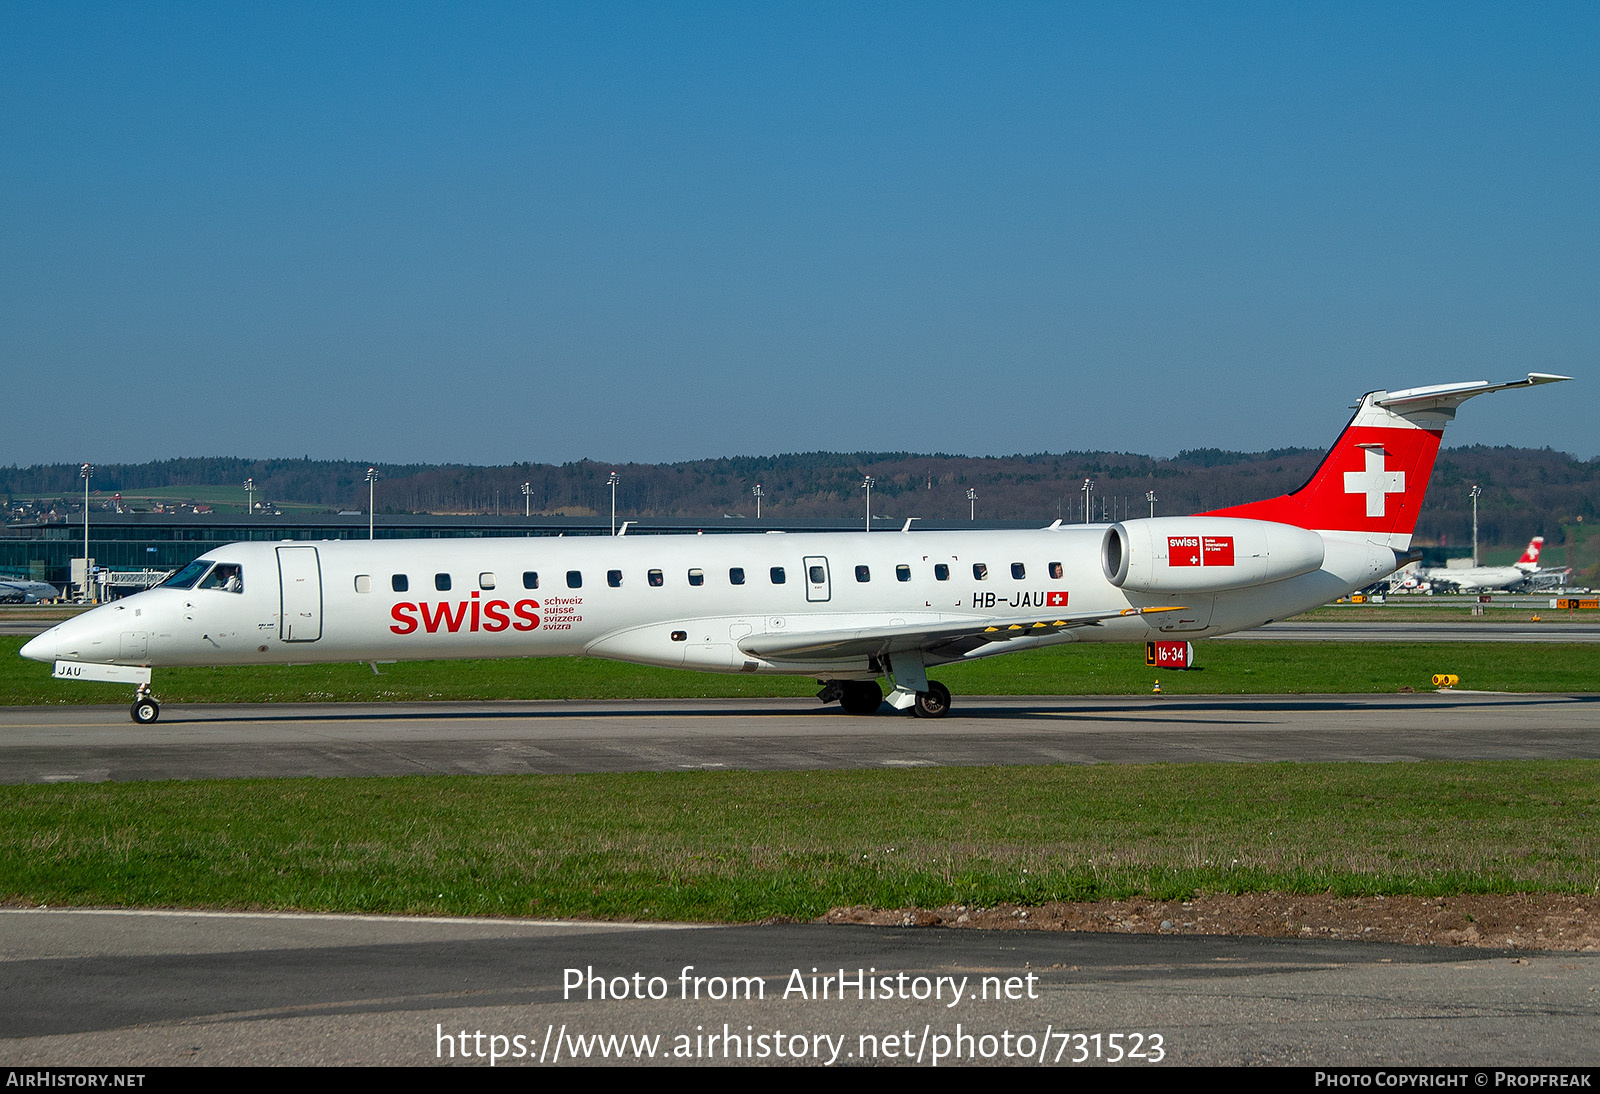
(145, 709)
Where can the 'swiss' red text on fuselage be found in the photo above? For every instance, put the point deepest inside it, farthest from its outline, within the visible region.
(465, 615)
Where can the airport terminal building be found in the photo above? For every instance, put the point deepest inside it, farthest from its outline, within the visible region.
(135, 548)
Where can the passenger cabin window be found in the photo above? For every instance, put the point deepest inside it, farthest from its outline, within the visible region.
(227, 576)
(1019, 572)
(941, 572)
(656, 577)
(363, 583)
(400, 583)
(736, 575)
(818, 575)
(1056, 570)
(486, 581)
(574, 579)
(530, 579)
(777, 575)
(862, 574)
(697, 577)
(441, 582)
(902, 572)
(980, 570)
(614, 578)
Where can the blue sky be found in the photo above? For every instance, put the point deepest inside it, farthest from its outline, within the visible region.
(489, 233)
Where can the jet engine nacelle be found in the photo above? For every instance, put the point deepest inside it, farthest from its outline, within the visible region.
(1205, 554)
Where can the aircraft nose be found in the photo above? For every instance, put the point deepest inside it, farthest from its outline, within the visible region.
(88, 637)
(42, 647)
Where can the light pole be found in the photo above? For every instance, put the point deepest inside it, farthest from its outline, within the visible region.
(759, 494)
(972, 503)
(1088, 498)
(866, 484)
(87, 471)
(527, 499)
(612, 482)
(1476, 493)
(372, 485)
(1150, 496)
(249, 496)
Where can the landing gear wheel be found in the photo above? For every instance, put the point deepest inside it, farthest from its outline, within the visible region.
(933, 703)
(860, 697)
(145, 710)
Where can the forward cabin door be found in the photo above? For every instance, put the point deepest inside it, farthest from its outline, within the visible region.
(300, 594)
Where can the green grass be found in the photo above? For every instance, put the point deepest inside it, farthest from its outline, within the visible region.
(1227, 668)
(743, 846)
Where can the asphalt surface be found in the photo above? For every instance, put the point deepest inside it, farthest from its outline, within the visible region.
(143, 989)
(93, 744)
(1501, 631)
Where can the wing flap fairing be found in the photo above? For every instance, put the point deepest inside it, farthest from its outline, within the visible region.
(832, 645)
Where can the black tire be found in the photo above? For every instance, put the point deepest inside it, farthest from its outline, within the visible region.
(146, 711)
(933, 703)
(860, 697)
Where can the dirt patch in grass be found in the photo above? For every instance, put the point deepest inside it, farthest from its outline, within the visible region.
(1511, 921)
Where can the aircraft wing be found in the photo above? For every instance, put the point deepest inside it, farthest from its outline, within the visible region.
(947, 639)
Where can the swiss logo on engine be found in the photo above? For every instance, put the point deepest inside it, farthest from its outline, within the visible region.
(1199, 550)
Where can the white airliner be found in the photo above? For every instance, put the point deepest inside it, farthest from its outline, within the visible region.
(1472, 578)
(847, 608)
(16, 590)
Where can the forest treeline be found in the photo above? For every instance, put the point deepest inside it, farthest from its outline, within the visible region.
(1524, 491)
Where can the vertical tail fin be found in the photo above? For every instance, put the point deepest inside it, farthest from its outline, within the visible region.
(1530, 558)
(1373, 479)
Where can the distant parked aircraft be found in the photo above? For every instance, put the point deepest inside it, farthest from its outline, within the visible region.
(18, 591)
(1473, 578)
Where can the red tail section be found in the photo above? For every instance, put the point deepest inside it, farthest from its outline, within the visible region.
(1374, 479)
(1530, 557)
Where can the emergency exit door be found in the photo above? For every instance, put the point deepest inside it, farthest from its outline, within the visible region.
(818, 588)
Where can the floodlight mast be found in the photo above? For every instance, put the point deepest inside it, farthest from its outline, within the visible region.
(87, 471)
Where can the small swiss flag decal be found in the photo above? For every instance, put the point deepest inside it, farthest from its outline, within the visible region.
(1055, 600)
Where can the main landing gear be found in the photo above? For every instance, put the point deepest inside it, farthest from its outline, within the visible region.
(145, 709)
(865, 697)
(933, 703)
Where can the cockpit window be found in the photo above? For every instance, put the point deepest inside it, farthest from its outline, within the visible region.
(227, 576)
(186, 577)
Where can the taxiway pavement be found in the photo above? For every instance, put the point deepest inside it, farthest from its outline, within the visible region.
(91, 744)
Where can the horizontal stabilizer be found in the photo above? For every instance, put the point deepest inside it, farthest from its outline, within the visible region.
(1446, 397)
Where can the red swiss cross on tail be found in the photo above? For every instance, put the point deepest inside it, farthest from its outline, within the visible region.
(1373, 480)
